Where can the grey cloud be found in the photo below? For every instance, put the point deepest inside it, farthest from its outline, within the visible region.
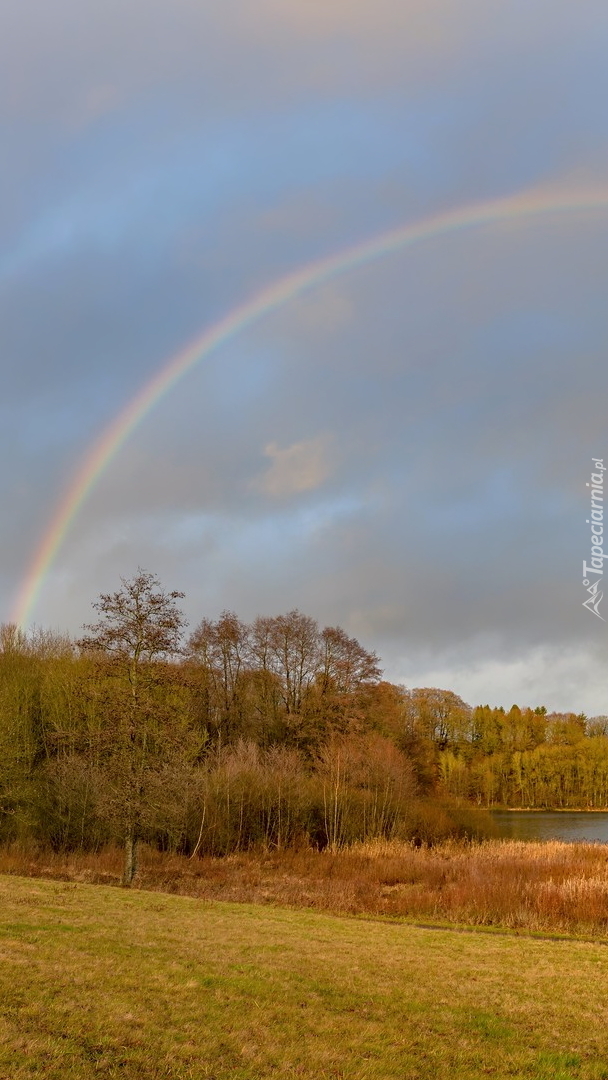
(460, 385)
(461, 468)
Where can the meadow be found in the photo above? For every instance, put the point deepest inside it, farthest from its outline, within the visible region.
(98, 981)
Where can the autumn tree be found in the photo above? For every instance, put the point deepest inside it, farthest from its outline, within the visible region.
(345, 666)
(221, 650)
(439, 715)
(139, 627)
(19, 694)
(288, 646)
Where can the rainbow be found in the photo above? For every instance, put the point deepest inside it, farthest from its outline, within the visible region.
(530, 203)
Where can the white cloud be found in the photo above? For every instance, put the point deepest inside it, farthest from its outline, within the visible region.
(303, 466)
(563, 679)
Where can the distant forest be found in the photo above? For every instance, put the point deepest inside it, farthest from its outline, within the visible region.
(274, 733)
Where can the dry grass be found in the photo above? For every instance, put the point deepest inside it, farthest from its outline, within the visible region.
(548, 886)
(98, 982)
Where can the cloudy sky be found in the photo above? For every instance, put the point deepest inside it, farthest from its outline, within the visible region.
(403, 450)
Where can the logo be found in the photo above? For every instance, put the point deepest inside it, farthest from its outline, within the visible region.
(593, 571)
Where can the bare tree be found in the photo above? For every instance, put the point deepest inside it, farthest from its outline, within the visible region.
(222, 649)
(345, 665)
(139, 626)
(288, 646)
(12, 639)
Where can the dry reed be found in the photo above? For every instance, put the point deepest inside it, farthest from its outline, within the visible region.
(544, 886)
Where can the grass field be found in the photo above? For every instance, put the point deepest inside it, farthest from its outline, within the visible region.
(99, 982)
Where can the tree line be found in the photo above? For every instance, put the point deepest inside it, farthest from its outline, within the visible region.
(274, 733)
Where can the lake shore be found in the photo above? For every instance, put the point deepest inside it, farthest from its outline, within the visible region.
(549, 809)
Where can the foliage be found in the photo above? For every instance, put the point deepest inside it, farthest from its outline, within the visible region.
(275, 734)
(139, 626)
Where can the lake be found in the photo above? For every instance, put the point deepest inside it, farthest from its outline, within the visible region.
(571, 825)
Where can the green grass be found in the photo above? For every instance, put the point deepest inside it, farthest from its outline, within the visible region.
(97, 982)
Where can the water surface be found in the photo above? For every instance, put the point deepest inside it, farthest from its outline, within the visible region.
(572, 825)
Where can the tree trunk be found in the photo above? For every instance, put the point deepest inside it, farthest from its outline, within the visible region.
(130, 864)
